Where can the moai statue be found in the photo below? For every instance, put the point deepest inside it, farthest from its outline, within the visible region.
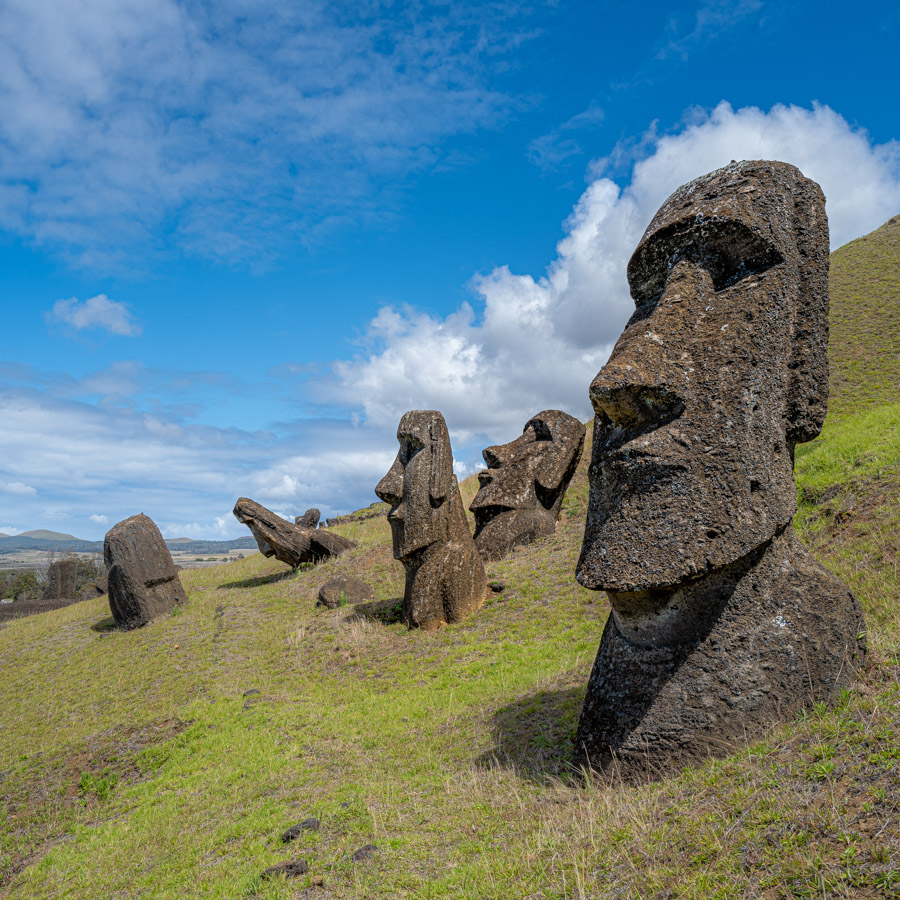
(143, 581)
(291, 544)
(62, 578)
(309, 519)
(721, 621)
(445, 578)
(522, 490)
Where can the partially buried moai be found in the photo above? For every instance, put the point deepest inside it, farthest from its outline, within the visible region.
(522, 491)
(143, 580)
(721, 621)
(445, 578)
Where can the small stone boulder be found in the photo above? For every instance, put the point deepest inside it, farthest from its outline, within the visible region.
(62, 578)
(143, 583)
(289, 543)
(344, 590)
(309, 519)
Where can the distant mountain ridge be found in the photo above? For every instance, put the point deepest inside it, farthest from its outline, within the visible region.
(20, 542)
(43, 534)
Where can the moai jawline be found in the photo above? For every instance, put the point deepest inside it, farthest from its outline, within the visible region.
(523, 488)
(721, 621)
(445, 578)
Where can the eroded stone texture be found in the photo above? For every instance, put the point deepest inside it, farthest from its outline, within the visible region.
(142, 580)
(289, 543)
(721, 621)
(523, 488)
(62, 578)
(309, 519)
(344, 590)
(445, 578)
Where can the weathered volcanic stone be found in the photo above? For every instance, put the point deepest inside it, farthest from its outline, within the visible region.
(345, 589)
(721, 621)
(309, 519)
(445, 578)
(289, 543)
(62, 578)
(523, 488)
(143, 583)
(98, 588)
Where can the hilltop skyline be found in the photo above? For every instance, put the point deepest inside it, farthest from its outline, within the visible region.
(236, 246)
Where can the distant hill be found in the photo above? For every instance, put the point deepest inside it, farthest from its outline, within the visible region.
(181, 540)
(20, 542)
(43, 535)
(3, 534)
(864, 346)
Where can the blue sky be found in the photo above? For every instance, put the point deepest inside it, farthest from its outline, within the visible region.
(238, 240)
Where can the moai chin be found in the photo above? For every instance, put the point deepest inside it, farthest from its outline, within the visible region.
(721, 621)
(523, 488)
(445, 578)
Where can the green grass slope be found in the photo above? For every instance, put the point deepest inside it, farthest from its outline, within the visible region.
(166, 762)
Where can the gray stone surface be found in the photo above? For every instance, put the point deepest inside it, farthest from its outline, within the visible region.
(142, 580)
(721, 621)
(309, 519)
(62, 580)
(522, 491)
(285, 541)
(445, 578)
(343, 590)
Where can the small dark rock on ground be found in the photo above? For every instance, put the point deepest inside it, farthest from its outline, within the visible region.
(294, 831)
(365, 852)
(293, 868)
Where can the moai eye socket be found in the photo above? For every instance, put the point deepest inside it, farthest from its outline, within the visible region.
(728, 249)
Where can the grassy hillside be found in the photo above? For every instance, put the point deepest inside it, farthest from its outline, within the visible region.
(167, 762)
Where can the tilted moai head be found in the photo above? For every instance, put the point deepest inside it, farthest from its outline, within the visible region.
(721, 621)
(445, 577)
(526, 480)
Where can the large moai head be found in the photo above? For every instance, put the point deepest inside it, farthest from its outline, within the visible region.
(721, 370)
(721, 621)
(521, 492)
(419, 482)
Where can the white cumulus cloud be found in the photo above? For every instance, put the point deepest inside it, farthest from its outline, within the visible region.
(530, 343)
(99, 520)
(95, 313)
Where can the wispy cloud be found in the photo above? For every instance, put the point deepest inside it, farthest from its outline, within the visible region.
(550, 150)
(711, 19)
(231, 130)
(17, 488)
(99, 520)
(95, 313)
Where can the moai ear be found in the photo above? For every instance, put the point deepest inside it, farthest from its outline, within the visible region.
(441, 458)
(807, 398)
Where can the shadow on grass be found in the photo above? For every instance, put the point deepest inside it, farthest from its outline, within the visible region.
(388, 612)
(260, 580)
(104, 625)
(535, 735)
